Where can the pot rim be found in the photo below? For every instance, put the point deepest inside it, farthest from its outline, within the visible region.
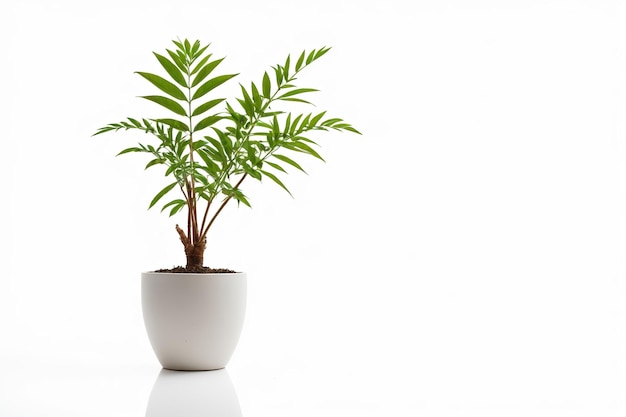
(202, 274)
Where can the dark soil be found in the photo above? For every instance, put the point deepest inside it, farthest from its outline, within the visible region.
(197, 270)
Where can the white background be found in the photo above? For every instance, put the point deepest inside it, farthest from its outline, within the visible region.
(461, 258)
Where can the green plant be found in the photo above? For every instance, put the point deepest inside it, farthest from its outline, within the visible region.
(209, 155)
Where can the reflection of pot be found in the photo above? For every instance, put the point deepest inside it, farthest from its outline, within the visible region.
(190, 394)
(193, 320)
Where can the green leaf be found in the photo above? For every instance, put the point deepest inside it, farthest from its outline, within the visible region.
(176, 209)
(303, 139)
(276, 180)
(276, 166)
(148, 125)
(176, 205)
(316, 119)
(297, 91)
(233, 114)
(177, 60)
(170, 169)
(275, 127)
(294, 125)
(205, 71)
(351, 129)
(322, 52)
(246, 102)
(240, 197)
(219, 155)
(156, 161)
(287, 65)
(171, 69)
(252, 154)
(161, 193)
(201, 63)
(135, 122)
(303, 147)
(104, 129)
(215, 155)
(296, 100)
(196, 46)
(211, 84)
(128, 150)
(211, 166)
(331, 122)
(176, 124)
(206, 106)
(164, 85)
(168, 103)
(287, 123)
(174, 202)
(206, 122)
(198, 144)
(278, 71)
(225, 141)
(256, 97)
(201, 178)
(289, 161)
(179, 45)
(267, 86)
(269, 137)
(263, 124)
(181, 147)
(252, 172)
(199, 53)
(246, 106)
(310, 58)
(300, 61)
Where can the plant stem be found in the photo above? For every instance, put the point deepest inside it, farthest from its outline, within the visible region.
(204, 232)
(193, 212)
(206, 212)
(188, 209)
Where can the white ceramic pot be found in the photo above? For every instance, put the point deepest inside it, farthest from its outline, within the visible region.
(193, 320)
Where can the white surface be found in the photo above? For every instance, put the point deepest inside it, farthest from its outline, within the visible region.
(461, 258)
(193, 394)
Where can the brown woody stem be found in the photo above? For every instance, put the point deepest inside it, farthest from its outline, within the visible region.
(219, 210)
(193, 250)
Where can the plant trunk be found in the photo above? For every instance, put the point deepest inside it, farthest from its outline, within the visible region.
(195, 254)
(193, 250)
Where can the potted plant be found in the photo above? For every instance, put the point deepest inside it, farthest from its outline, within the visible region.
(193, 313)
